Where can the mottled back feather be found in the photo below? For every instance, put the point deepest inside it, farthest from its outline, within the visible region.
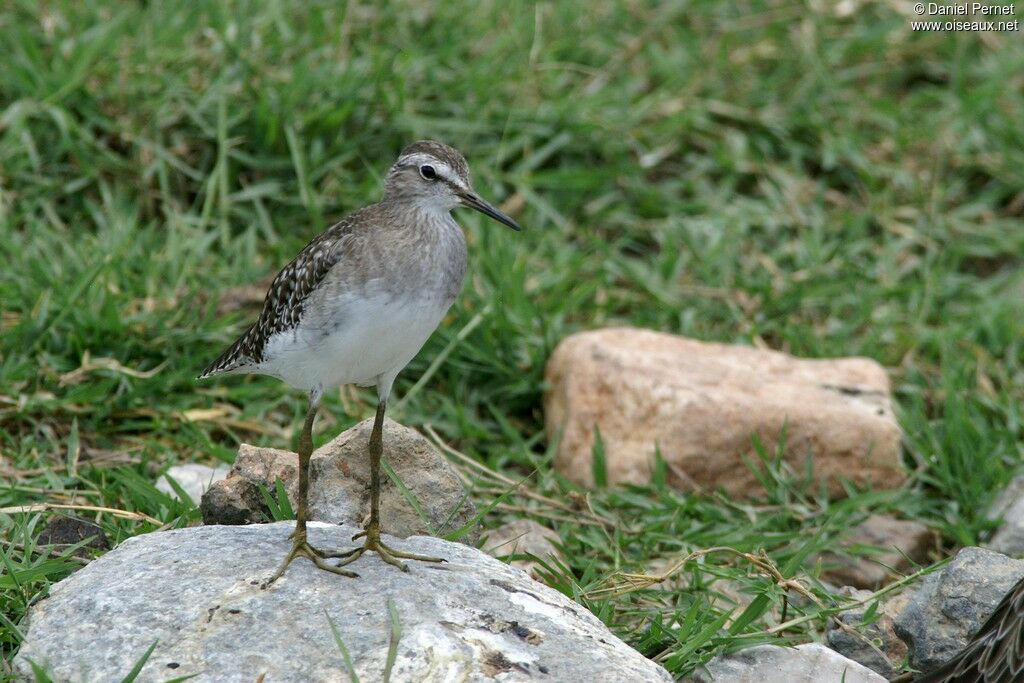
(282, 308)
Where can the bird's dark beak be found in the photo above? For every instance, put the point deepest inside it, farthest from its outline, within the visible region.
(475, 201)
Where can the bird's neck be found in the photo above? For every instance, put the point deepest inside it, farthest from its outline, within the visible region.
(418, 217)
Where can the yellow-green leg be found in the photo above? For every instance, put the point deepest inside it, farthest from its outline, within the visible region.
(300, 546)
(372, 530)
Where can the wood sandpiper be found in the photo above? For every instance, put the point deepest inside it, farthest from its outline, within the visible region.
(356, 305)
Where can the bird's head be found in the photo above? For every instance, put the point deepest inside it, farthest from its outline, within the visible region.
(436, 176)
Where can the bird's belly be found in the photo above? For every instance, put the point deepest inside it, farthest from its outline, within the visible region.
(358, 341)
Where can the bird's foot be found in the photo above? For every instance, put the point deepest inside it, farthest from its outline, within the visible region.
(386, 553)
(302, 548)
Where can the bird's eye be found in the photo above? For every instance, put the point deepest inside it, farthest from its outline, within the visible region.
(428, 172)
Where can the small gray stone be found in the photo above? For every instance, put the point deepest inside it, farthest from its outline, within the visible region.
(888, 653)
(900, 542)
(193, 478)
(1009, 537)
(950, 606)
(339, 479)
(197, 593)
(523, 536)
(1009, 506)
(1013, 492)
(808, 663)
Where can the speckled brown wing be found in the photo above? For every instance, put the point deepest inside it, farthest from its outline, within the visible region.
(996, 653)
(282, 308)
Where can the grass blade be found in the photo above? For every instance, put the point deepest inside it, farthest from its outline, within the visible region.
(137, 669)
(349, 666)
(396, 634)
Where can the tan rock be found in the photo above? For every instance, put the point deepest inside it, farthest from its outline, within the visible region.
(900, 544)
(237, 499)
(700, 403)
(339, 479)
(523, 536)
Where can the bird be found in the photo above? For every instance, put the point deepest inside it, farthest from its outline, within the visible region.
(355, 306)
(996, 652)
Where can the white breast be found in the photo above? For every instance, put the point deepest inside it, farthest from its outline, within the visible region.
(361, 340)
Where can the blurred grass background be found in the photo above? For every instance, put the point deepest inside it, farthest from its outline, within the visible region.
(814, 177)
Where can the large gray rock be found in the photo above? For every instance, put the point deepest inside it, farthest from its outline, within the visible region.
(197, 593)
(808, 663)
(339, 481)
(953, 604)
(193, 478)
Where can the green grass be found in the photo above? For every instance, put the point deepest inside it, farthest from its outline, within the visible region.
(828, 184)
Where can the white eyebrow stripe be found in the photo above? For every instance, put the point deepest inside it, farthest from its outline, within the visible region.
(444, 171)
(451, 176)
(447, 173)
